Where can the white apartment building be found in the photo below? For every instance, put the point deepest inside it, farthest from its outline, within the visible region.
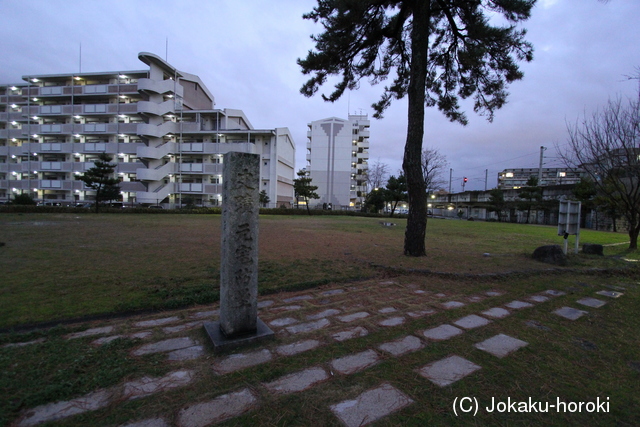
(337, 160)
(516, 178)
(159, 124)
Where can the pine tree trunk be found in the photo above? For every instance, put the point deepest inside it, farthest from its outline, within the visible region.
(414, 237)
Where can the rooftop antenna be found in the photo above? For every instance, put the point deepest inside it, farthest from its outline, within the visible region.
(166, 50)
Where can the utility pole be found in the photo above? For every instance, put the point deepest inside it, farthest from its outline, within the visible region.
(542, 148)
(486, 177)
(450, 173)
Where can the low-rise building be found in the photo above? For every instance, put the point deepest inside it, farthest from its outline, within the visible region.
(516, 178)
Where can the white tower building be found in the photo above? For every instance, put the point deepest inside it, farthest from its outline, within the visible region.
(337, 160)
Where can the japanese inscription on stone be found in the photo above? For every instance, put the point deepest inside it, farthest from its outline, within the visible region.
(239, 256)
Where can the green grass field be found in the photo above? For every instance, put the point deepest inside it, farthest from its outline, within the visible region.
(65, 266)
(60, 266)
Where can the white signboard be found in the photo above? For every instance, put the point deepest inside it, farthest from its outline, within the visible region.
(569, 221)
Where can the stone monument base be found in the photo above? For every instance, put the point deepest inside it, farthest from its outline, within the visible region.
(222, 344)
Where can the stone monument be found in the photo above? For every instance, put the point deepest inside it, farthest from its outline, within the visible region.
(239, 324)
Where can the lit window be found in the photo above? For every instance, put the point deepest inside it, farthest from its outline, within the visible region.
(562, 174)
(509, 174)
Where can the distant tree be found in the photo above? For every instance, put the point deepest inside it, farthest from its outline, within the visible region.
(100, 178)
(396, 191)
(496, 202)
(303, 188)
(23, 199)
(585, 192)
(376, 199)
(377, 175)
(264, 199)
(437, 52)
(530, 196)
(433, 166)
(607, 146)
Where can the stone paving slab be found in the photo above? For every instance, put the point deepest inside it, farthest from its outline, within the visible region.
(188, 353)
(59, 410)
(205, 314)
(420, 313)
(217, 410)
(538, 298)
(185, 326)
(554, 293)
(591, 302)
(392, 321)
(106, 340)
(332, 292)
(402, 346)
(284, 321)
(387, 310)
(452, 304)
(471, 321)
(371, 406)
(610, 294)
(322, 314)
(354, 316)
(570, 313)
(146, 386)
(308, 327)
(156, 322)
(150, 422)
(22, 344)
(298, 381)
(298, 298)
(442, 332)
(448, 370)
(496, 312)
(287, 308)
(494, 293)
(91, 332)
(164, 346)
(297, 347)
(235, 362)
(265, 304)
(500, 345)
(348, 334)
(355, 362)
(516, 305)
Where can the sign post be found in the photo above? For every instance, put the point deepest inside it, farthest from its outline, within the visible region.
(569, 222)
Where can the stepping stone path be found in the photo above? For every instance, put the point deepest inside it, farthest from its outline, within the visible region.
(448, 370)
(298, 381)
(402, 346)
(471, 321)
(500, 345)
(371, 406)
(570, 313)
(329, 316)
(442, 332)
(591, 302)
(355, 362)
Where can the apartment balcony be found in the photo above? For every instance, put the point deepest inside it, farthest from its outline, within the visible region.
(132, 186)
(11, 133)
(156, 152)
(195, 187)
(129, 167)
(158, 173)
(363, 155)
(192, 168)
(65, 91)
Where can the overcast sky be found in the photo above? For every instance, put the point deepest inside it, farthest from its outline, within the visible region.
(245, 51)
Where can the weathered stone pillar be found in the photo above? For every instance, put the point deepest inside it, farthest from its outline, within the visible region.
(239, 321)
(239, 256)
